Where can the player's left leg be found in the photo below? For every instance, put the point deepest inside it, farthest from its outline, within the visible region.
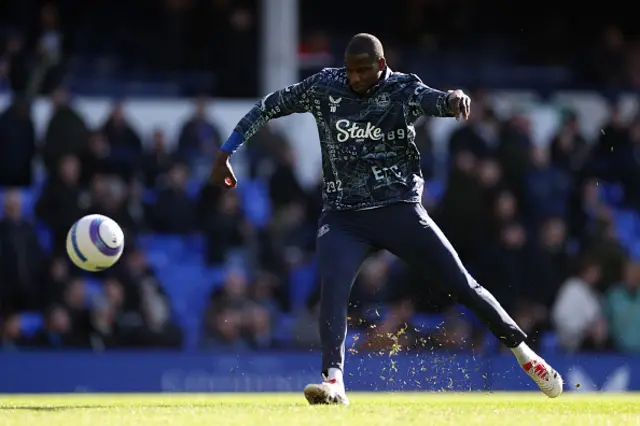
(414, 237)
(342, 246)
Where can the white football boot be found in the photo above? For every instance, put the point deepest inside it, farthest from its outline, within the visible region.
(548, 379)
(328, 392)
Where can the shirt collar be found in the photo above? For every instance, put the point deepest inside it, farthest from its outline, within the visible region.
(386, 74)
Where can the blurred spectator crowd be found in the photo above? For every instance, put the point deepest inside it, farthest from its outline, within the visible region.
(553, 231)
(188, 47)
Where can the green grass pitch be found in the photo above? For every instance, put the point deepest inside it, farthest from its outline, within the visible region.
(370, 409)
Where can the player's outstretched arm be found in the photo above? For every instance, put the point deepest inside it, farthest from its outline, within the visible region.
(436, 103)
(290, 100)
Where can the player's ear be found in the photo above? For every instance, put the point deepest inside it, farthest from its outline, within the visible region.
(382, 63)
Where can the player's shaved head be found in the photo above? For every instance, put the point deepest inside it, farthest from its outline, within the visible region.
(364, 61)
(365, 44)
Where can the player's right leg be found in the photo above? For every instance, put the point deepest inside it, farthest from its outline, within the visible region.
(342, 246)
(417, 239)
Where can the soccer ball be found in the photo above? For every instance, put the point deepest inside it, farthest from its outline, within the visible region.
(95, 243)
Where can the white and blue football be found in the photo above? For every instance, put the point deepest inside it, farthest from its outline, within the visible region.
(95, 243)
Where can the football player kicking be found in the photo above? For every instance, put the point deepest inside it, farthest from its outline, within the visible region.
(372, 191)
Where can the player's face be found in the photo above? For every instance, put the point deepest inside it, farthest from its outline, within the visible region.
(362, 72)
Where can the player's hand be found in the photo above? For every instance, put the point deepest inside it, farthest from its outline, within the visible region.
(222, 172)
(459, 104)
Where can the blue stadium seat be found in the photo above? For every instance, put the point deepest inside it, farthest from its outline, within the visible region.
(180, 280)
(490, 344)
(93, 288)
(427, 322)
(635, 250)
(29, 198)
(435, 190)
(193, 187)
(549, 342)
(143, 241)
(45, 237)
(31, 323)
(284, 329)
(195, 246)
(181, 310)
(150, 196)
(158, 260)
(625, 222)
(192, 329)
(255, 202)
(163, 246)
(611, 193)
(170, 243)
(189, 305)
(303, 281)
(188, 286)
(216, 274)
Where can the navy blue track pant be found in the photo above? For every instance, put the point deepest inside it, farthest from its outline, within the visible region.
(345, 239)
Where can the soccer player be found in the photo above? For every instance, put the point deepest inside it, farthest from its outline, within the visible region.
(372, 191)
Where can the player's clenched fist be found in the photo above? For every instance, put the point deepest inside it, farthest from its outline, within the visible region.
(222, 173)
(459, 104)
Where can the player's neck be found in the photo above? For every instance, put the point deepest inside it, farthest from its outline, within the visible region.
(382, 76)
